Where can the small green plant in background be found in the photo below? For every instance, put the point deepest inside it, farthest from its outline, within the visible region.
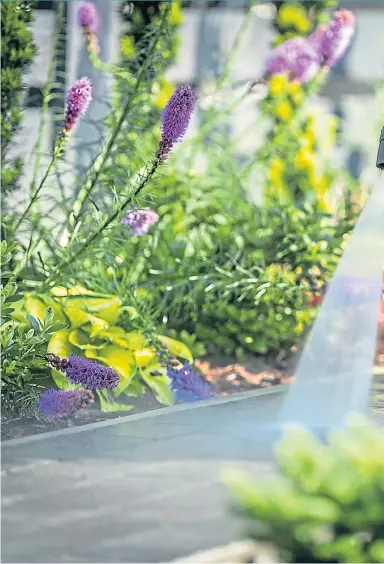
(23, 368)
(328, 503)
(17, 51)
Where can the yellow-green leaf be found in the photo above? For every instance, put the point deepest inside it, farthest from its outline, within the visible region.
(159, 385)
(108, 406)
(79, 291)
(76, 316)
(176, 347)
(106, 308)
(144, 357)
(135, 341)
(121, 360)
(60, 345)
(35, 306)
(80, 339)
(98, 325)
(59, 291)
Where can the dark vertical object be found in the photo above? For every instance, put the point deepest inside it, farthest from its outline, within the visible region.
(380, 153)
(58, 102)
(355, 163)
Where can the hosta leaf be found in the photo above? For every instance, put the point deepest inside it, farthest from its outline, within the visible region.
(109, 406)
(61, 346)
(135, 388)
(98, 325)
(121, 360)
(159, 385)
(134, 340)
(80, 339)
(144, 357)
(59, 291)
(176, 347)
(35, 307)
(76, 316)
(107, 308)
(79, 291)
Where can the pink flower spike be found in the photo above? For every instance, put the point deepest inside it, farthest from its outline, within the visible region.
(140, 221)
(78, 99)
(89, 17)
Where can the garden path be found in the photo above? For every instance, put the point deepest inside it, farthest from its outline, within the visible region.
(138, 489)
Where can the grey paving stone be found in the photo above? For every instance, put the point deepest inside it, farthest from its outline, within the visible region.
(140, 491)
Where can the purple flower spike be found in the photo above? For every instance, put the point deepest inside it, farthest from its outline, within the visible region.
(90, 374)
(56, 404)
(297, 57)
(337, 37)
(78, 99)
(140, 221)
(89, 17)
(188, 385)
(175, 118)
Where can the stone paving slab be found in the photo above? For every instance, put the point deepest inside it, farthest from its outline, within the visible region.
(142, 488)
(146, 490)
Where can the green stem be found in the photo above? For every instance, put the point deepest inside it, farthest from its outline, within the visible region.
(72, 257)
(236, 44)
(46, 92)
(86, 190)
(44, 109)
(106, 67)
(35, 195)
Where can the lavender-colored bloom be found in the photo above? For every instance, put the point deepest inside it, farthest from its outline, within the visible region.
(89, 17)
(140, 221)
(337, 37)
(175, 118)
(57, 404)
(297, 57)
(188, 385)
(90, 374)
(78, 99)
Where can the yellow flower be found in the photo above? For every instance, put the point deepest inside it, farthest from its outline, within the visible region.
(127, 46)
(294, 15)
(305, 159)
(284, 111)
(295, 91)
(276, 170)
(176, 15)
(330, 137)
(163, 90)
(278, 84)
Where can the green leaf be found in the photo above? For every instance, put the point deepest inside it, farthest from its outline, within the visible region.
(158, 384)
(35, 307)
(15, 298)
(34, 323)
(82, 340)
(176, 347)
(109, 406)
(58, 327)
(144, 357)
(48, 315)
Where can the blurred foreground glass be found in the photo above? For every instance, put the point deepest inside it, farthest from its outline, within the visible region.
(334, 374)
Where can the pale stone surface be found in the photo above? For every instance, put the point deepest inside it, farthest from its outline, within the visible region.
(144, 491)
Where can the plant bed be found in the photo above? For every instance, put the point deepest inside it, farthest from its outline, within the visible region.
(225, 376)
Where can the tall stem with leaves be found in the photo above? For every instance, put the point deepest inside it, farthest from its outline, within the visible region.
(100, 162)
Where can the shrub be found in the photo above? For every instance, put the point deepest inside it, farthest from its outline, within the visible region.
(328, 505)
(17, 51)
